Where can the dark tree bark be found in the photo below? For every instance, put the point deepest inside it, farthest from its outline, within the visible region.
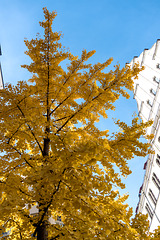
(42, 233)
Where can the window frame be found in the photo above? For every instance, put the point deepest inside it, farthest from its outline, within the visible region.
(152, 196)
(156, 79)
(150, 213)
(149, 103)
(156, 180)
(158, 159)
(152, 91)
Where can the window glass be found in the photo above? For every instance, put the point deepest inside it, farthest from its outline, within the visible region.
(153, 91)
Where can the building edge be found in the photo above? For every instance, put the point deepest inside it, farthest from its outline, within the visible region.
(147, 96)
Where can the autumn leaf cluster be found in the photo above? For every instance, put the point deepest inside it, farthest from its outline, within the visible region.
(53, 157)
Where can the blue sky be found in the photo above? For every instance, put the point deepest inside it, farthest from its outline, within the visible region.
(114, 28)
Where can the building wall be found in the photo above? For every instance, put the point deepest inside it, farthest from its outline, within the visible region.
(147, 95)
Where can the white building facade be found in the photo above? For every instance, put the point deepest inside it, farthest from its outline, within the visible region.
(147, 95)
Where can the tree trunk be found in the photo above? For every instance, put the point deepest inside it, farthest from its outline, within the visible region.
(42, 233)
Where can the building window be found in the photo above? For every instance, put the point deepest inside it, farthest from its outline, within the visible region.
(153, 198)
(136, 209)
(149, 103)
(156, 79)
(145, 165)
(140, 190)
(153, 91)
(158, 158)
(147, 207)
(59, 218)
(156, 180)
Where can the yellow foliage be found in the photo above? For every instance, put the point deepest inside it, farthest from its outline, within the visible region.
(54, 157)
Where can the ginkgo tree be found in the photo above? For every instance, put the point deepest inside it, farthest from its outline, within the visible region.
(53, 157)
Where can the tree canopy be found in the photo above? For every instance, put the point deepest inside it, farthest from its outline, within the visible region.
(53, 157)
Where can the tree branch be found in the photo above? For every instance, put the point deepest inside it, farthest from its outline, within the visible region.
(20, 154)
(45, 210)
(31, 130)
